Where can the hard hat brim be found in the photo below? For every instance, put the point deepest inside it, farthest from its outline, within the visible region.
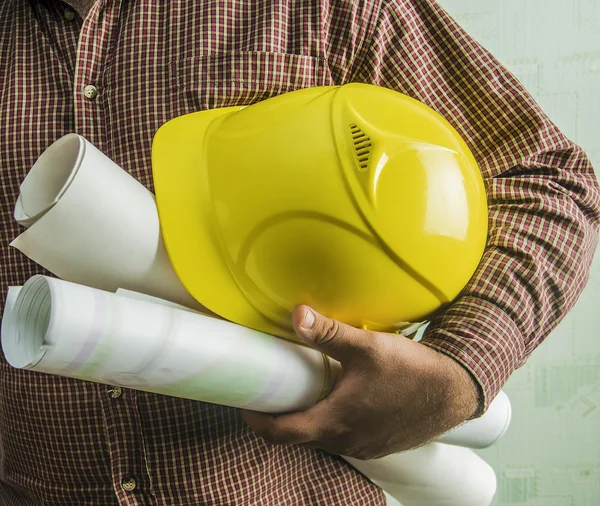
(185, 219)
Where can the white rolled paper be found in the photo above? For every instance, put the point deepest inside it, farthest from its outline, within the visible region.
(91, 223)
(433, 475)
(72, 330)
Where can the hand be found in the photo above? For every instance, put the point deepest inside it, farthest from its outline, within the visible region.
(394, 394)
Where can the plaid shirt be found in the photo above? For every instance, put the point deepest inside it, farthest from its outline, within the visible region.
(70, 442)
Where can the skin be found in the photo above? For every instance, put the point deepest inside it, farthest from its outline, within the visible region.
(394, 394)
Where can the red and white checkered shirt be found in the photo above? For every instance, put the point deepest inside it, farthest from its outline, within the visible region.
(65, 441)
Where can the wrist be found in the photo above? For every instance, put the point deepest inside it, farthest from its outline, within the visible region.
(464, 392)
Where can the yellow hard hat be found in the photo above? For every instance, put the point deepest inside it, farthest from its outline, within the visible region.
(357, 200)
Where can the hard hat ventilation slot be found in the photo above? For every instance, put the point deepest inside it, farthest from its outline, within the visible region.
(362, 146)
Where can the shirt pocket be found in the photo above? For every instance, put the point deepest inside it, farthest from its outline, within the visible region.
(241, 78)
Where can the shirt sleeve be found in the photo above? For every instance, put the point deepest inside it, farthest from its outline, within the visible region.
(543, 196)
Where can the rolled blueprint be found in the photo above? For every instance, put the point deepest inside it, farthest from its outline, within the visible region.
(92, 223)
(62, 328)
(141, 342)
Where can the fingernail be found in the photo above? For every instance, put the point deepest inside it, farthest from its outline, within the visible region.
(309, 319)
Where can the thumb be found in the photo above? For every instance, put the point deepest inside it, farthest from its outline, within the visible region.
(338, 340)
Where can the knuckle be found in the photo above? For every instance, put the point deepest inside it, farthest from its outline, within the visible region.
(331, 329)
(335, 430)
(288, 435)
(369, 355)
(371, 342)
(270, 435)
(273, 437)
(375, 346)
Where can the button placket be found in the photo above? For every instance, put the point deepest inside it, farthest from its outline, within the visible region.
(124, 438)
(96, 44)
(125, 441)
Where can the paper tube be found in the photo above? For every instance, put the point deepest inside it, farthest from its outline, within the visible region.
(91, 223)
(432, 475)
(72, 330)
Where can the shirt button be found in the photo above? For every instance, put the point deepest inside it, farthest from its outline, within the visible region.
(129, 484)
(90, 91)
(69, 14)
(115, 392)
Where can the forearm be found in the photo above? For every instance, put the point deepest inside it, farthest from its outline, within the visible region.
(543, 229)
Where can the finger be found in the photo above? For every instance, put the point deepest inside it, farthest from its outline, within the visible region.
(330, 336)
(306, 426)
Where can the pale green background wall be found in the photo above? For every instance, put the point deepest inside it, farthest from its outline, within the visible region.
(551, 454)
